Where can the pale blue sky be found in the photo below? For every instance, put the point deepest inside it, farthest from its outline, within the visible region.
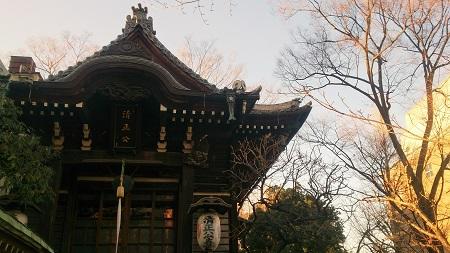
(251, 30)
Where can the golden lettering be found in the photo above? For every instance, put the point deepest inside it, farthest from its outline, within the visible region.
(126, 139)
(125, 127)
(126, 114)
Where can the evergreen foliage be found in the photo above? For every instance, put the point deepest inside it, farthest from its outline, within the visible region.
(25, 176)
(295, 222)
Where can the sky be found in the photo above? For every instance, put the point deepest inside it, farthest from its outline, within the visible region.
(251, 30)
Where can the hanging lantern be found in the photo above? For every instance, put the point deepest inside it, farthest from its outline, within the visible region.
(208, 231)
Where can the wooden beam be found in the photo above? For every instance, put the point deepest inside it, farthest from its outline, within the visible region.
(171, 159)
(93, 160)
(136, 179)
(223, 194)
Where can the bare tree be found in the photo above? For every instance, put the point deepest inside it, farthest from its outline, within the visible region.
(199, 6)
(251, 161)
(79, 46)
(380, 52)
(374, 230)
(261, 180)
(54, 54)
(49, 54)
(206, 60)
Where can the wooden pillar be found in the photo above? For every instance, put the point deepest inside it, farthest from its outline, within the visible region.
(99, 221)
(234, 227)
(70, 214)
(53, 205)
(184, 226)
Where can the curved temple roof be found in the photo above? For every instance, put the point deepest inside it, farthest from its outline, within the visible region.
(137, 50)
(139, 21)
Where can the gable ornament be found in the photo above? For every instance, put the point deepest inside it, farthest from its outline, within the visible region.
(139, 18)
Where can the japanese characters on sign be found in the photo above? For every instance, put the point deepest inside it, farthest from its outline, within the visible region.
(125, 127)
(208, 231)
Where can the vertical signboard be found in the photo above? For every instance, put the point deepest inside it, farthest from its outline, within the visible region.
(125, 126)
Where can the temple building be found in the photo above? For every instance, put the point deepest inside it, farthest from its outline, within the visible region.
(135, 124)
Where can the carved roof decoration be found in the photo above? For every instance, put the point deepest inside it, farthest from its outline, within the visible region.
(139, 17)
(120, 45)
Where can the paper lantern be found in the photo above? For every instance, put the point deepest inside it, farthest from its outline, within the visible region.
(208, 231)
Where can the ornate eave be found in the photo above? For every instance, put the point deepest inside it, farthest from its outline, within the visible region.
(286, 107)
(286, 117)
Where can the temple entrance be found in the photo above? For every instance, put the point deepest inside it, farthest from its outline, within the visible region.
(148, 218)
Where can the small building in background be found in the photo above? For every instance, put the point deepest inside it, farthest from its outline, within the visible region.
(23, 69)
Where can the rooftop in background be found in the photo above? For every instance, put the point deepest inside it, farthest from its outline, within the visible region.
(23, 68)
(15, 237)
(22, 64)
